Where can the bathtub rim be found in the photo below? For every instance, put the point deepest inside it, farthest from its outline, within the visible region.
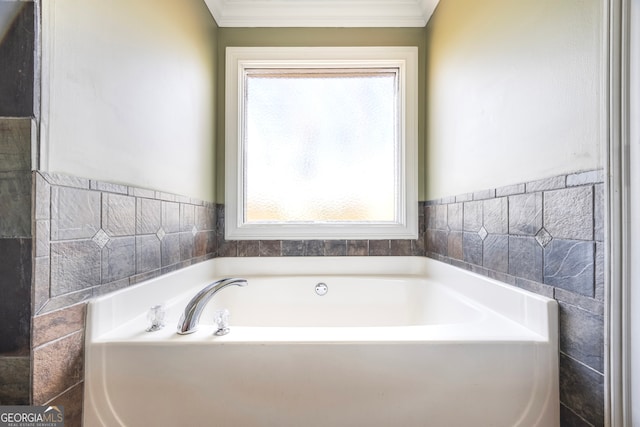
(535, 312)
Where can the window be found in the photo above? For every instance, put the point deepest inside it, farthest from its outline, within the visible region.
(321, 143)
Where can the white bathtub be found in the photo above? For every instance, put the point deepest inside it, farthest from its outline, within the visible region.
(396, 341)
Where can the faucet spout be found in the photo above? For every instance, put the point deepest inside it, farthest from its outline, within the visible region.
(191, 317)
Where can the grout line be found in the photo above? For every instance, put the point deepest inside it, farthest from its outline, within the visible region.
(64, 392)
(58, 339)
(581, 363)
(574, 413)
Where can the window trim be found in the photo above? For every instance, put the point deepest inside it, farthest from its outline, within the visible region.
(405, 58)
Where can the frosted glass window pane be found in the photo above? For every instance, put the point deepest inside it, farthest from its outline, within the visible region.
(320, 146)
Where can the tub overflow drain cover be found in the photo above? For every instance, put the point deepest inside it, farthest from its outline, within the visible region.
(322, 289)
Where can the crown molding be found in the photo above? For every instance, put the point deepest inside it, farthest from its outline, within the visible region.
(428, 7)
(321, 13)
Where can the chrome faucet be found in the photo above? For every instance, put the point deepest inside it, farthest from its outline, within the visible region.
(191, 317)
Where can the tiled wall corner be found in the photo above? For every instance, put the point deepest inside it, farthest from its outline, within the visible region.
(94, 237)
(90, 238)
(545, 236)
(277, 248)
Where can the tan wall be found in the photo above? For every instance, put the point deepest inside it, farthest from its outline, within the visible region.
(515, 92)
(129, 89)
(317, 37)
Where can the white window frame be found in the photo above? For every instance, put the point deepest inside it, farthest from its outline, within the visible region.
(405, 58)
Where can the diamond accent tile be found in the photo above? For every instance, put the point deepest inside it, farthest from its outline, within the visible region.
(160, 233)
(101, 238)
(543, 237)
(194, 231)
(483, 233)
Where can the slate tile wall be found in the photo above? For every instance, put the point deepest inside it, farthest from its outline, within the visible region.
(17, 72)
(91, 238)
(15, 251)
(277, 248)
(15, 316)
(545, 236)
(17, 52)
